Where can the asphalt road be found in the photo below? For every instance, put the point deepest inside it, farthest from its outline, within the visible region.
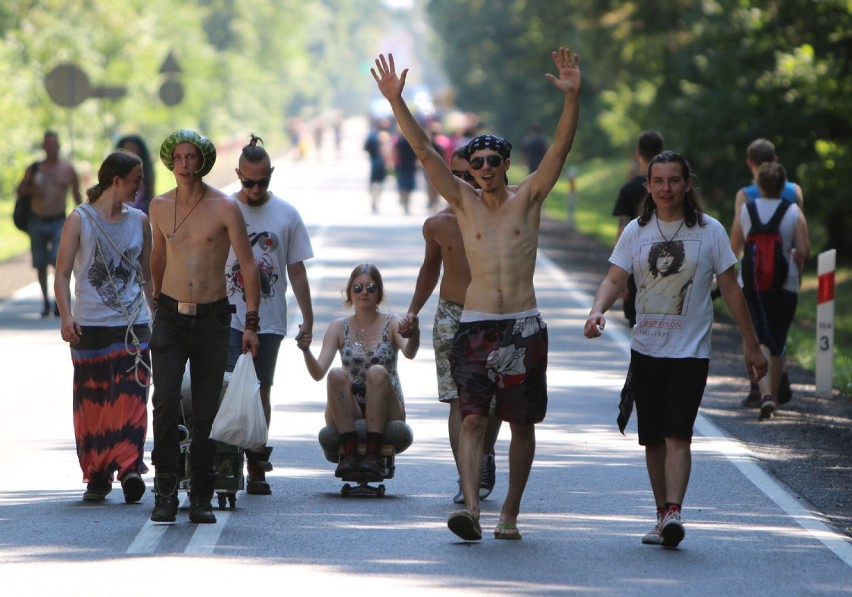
(586, 506)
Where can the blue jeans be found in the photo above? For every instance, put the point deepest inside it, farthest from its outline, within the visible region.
(45, 234)
(203, 341)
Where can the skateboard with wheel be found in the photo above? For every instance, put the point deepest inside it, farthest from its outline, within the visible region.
(363, 486)
(397, 438)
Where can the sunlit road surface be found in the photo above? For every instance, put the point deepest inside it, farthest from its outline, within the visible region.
(586, 506)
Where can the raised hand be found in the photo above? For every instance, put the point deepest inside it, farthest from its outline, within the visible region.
(568, 67)
(385, 75)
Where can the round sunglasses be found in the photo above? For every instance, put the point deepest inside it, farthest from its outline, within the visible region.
(371, 288)
(492, 160)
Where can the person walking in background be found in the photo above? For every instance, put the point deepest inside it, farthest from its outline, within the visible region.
(378, 147)
(194, 227)
(367, 384)
(48, 183)
(501, 345)
(759, 152)
(107, 246)
(628, 203)
(772, 308)
(445, 247)
(135, 144)
(405, 168)
(533, 147)
(279, 242)
(670, 344)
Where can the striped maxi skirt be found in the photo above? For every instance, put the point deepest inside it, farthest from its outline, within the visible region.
(110, 406)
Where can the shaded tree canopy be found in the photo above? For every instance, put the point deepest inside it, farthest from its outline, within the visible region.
(711, 75)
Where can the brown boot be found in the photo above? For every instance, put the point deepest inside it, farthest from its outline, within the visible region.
(371, 464)
(258, 464)
(349, 463)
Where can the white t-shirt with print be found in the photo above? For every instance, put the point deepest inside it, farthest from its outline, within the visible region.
(673, 266)
(278, 238)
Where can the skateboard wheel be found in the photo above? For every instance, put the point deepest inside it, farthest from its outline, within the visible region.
(380, 491)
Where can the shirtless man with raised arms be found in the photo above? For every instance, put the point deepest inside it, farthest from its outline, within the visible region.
(501, 331)
(194, 227)
(445, 247)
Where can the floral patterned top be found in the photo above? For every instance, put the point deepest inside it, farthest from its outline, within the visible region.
(357, 358)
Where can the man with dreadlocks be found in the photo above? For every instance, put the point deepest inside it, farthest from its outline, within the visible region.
(500, 349)
(279, 241)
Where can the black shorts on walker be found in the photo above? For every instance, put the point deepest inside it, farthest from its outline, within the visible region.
(668, 393)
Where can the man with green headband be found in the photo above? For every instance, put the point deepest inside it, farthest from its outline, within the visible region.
(194, 227)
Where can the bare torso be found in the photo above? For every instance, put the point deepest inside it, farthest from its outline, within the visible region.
(50, 193)
(196, 256)
(443, 227)
(501, 243)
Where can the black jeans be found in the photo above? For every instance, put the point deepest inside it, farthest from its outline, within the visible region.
(203, 341)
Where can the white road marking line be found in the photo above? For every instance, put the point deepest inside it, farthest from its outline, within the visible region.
(206, 536)
(149, 537)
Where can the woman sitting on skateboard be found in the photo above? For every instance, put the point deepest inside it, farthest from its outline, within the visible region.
(367, 385)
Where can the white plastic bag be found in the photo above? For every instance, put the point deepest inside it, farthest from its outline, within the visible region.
(240, 420)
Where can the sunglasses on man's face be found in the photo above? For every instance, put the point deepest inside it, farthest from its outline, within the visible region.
(492, 160)
(262, 183)
(463, 174)
(371, 288)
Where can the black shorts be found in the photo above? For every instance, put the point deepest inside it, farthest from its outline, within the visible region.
(772, 314)
(668, 393)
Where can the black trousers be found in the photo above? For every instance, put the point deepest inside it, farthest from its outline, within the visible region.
(202, 340)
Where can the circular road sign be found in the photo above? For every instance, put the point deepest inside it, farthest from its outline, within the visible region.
(68, 85)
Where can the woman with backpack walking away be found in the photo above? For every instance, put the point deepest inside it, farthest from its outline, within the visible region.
(774, 249)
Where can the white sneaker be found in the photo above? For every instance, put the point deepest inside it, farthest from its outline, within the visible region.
(672, 528)
(459, 497)
(655, 535)
(489, 475)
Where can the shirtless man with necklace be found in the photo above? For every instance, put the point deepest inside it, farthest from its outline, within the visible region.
(193, 227)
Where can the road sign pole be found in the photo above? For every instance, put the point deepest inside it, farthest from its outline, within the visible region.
(826, 263)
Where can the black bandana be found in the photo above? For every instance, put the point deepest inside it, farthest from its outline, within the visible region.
(498, 144)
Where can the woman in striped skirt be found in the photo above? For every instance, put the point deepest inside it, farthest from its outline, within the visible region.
(107, 245)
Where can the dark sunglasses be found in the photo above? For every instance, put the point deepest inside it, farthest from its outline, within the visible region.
(371, 288)
(262, 183)
(492, 160)
(463, 174)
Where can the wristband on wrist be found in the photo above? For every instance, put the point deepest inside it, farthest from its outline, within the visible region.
(252, 321)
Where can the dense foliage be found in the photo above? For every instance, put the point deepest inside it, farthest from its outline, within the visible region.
(712, 75)
(245, 66)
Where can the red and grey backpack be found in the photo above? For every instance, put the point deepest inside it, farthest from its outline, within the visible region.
(765, 267)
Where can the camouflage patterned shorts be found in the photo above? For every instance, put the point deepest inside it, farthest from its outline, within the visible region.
(447, 317)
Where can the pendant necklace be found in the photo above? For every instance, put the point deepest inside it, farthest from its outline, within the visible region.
(669, 240)
(175, 225)
(362, 341)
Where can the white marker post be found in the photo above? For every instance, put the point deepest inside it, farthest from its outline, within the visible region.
(826, 263)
